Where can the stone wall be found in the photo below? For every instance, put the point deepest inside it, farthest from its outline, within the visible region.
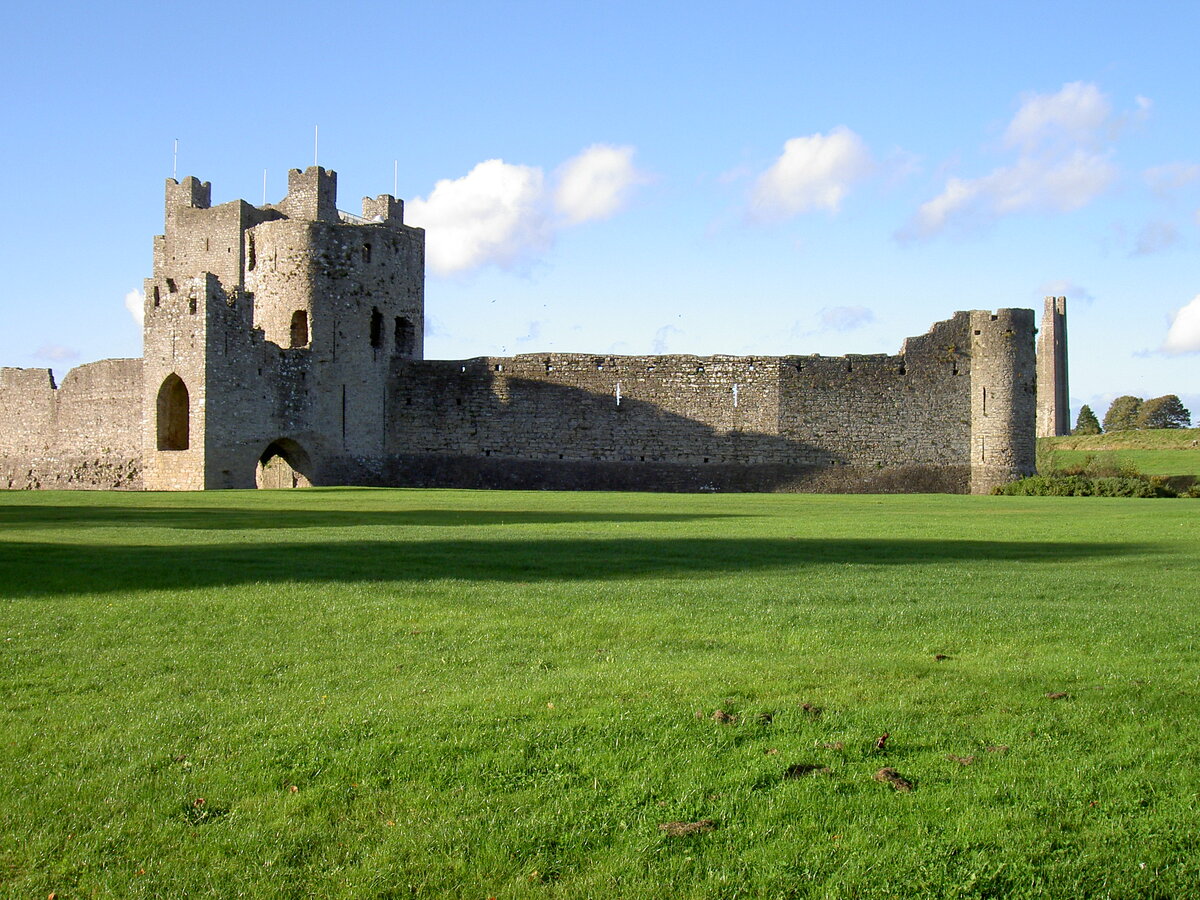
(85, 434)
(1053, 390)
(855, 423)
(282, 322)
(283, 344)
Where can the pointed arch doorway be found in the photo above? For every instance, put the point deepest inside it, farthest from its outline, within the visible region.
(284, 464)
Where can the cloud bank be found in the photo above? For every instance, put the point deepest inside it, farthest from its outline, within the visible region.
(1063, 163)
(504, 214)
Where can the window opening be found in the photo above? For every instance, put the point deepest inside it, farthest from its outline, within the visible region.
(300, 328)
(376, 328)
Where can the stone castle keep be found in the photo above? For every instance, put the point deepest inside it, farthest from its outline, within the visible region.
(283, 345)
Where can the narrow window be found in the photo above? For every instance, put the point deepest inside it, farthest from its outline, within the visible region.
(251, 255)
(376, 328)
(406, 336)
(366, 253)
(157, 297)
(171, 285)
(300, 328)
(173, 414)
(192, 306)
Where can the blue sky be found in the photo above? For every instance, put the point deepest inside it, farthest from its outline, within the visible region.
(756, 178)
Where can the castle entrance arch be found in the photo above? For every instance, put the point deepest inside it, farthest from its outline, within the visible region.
(284, 464)
(173, 414)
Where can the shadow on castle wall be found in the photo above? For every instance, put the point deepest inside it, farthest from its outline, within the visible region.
(458, 424)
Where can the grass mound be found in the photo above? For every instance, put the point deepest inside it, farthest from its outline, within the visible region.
(1167, 451)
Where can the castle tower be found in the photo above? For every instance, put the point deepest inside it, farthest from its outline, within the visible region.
(1053, 396)
(270, 333)
(1003, 382)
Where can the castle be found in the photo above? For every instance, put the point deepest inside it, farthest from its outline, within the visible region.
(283, 346)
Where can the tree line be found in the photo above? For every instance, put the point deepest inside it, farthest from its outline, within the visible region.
(1128, 413)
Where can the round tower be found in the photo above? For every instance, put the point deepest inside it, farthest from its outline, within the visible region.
(1003, 397)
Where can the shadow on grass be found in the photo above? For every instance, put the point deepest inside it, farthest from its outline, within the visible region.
(44, 569)
(242, 519)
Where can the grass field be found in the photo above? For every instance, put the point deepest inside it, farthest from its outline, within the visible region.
(1174, 451)
(358, 693)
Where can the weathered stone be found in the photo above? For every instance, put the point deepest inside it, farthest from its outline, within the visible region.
(283, 346)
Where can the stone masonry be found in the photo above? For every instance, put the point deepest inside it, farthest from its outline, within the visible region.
(283, 346)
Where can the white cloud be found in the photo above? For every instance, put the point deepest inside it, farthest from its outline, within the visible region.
(502, 214)
(1061, 287)
(658, 346)
(1155, 237)
(135, 304)
(1076, 114)
(533, 333)
(1060, 166)
(56, 353)
(1050, 185)
(493, 214)
(845, 318)
(1171, 177)
(813, 172)
(596, 183)
(1184, 334)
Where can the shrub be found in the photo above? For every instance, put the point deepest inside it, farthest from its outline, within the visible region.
(1077, 485)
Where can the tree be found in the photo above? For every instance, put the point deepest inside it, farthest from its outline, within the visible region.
(1087, 423)
(1122, 415)
(1164, 412)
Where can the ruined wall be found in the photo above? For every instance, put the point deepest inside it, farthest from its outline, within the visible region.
(84, 434)
(1003, 397)
(283, 344)
(1053, 391)
(281, 322)
(855, 423)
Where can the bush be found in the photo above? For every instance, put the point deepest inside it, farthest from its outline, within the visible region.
(1085, 486)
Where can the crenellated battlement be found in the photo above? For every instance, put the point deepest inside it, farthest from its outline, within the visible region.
(312, 195)
(384, 209)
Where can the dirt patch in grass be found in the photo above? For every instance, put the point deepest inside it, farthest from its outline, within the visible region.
(799, 770)
(888, 775)
(682, 829)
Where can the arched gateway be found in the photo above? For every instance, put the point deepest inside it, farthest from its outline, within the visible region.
(284, 464)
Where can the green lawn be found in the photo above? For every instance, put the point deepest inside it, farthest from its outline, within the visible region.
(360, 693)
(1168, 451)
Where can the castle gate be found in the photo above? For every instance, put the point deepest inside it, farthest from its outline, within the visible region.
(284, 464)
